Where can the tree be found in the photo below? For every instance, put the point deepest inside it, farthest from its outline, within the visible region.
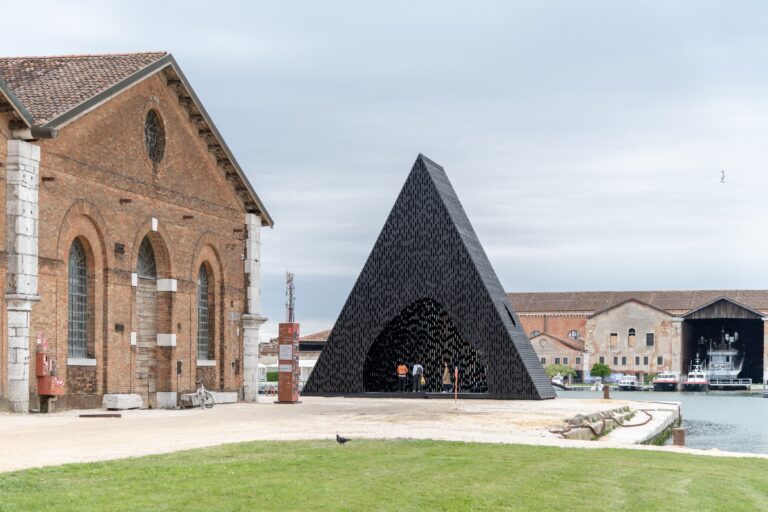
(553, 369)
(600, 370)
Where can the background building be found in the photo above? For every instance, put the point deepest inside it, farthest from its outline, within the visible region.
(132, 234)
(647, 332)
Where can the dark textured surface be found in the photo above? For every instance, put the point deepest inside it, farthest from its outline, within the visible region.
(429, 250)
(423, 333)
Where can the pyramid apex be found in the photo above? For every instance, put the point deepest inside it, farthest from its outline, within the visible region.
(428, 162)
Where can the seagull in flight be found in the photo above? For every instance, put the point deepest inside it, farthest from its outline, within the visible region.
(722, 176)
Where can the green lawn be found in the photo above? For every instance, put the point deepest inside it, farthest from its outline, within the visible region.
(395, 475)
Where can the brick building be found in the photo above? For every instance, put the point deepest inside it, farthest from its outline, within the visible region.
(647, 332)
(132, 234)
(641, 332)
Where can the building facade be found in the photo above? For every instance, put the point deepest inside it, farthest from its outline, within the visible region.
(132, 235)
(651, 331)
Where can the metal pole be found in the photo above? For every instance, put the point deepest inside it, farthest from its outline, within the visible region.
(455, 385)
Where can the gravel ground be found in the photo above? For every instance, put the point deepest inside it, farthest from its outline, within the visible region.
(43, 440)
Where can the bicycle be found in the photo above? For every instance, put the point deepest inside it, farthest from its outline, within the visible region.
(203, 396)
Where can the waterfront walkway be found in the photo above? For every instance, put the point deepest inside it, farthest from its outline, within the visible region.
(59, 438)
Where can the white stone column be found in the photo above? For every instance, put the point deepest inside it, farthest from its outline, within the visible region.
(23, 173)
(252, 320)
(676, 364)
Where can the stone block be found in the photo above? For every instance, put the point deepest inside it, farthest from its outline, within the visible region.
(189, 400)
(23, 150)
(167, 285)
(252, 221)
(166, 399)
(166, 340)
(121, 401)
(224, 397)
(25, 226)
(18, 371)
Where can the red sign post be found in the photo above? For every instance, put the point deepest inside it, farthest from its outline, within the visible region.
(288, 364)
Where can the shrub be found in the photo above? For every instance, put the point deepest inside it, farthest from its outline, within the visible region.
(553, 369)
(600, 370)
(272, 376)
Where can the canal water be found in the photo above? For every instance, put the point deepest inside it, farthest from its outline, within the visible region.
(724, 420)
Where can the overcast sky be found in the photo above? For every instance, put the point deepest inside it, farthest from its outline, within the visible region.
(585, 139)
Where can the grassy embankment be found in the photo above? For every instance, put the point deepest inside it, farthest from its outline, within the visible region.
(395, 475)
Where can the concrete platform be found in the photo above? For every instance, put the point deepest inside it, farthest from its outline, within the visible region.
(144, 432)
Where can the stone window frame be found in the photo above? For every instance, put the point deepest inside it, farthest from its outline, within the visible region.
(578, 360)
(535, 333)
(543, 360)
(573, 334)
(650, 339)
(631, 336)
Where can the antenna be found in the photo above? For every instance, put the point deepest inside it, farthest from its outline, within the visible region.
(290, 297)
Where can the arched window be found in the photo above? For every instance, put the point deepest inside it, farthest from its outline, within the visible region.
(574, 334)
(203, 315)
(77, 298)
(535, 333)
(146, 267)
(631, 337)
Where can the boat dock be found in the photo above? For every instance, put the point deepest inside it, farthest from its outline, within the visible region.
(730, 384)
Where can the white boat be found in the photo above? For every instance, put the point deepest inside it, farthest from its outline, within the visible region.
(696, 380)
(666, 381)
(628, 383)
(725, 364)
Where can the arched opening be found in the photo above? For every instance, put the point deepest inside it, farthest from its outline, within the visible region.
(423, 333)
(631, 337)
(146, 311)
(79, 332)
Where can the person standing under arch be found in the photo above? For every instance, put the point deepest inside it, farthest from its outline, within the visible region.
(447, 382)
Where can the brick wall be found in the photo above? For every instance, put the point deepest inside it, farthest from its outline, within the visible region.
(97, 161)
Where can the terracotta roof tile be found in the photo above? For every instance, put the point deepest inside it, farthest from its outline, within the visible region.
(317, 336)
(51, 86)
(672, 300)
(573, 344)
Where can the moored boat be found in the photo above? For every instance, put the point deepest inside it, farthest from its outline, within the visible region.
(696, 380)
(666, 381)
(725, 364)
(628, 383)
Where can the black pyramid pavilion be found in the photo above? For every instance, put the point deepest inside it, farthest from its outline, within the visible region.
(429, 295)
